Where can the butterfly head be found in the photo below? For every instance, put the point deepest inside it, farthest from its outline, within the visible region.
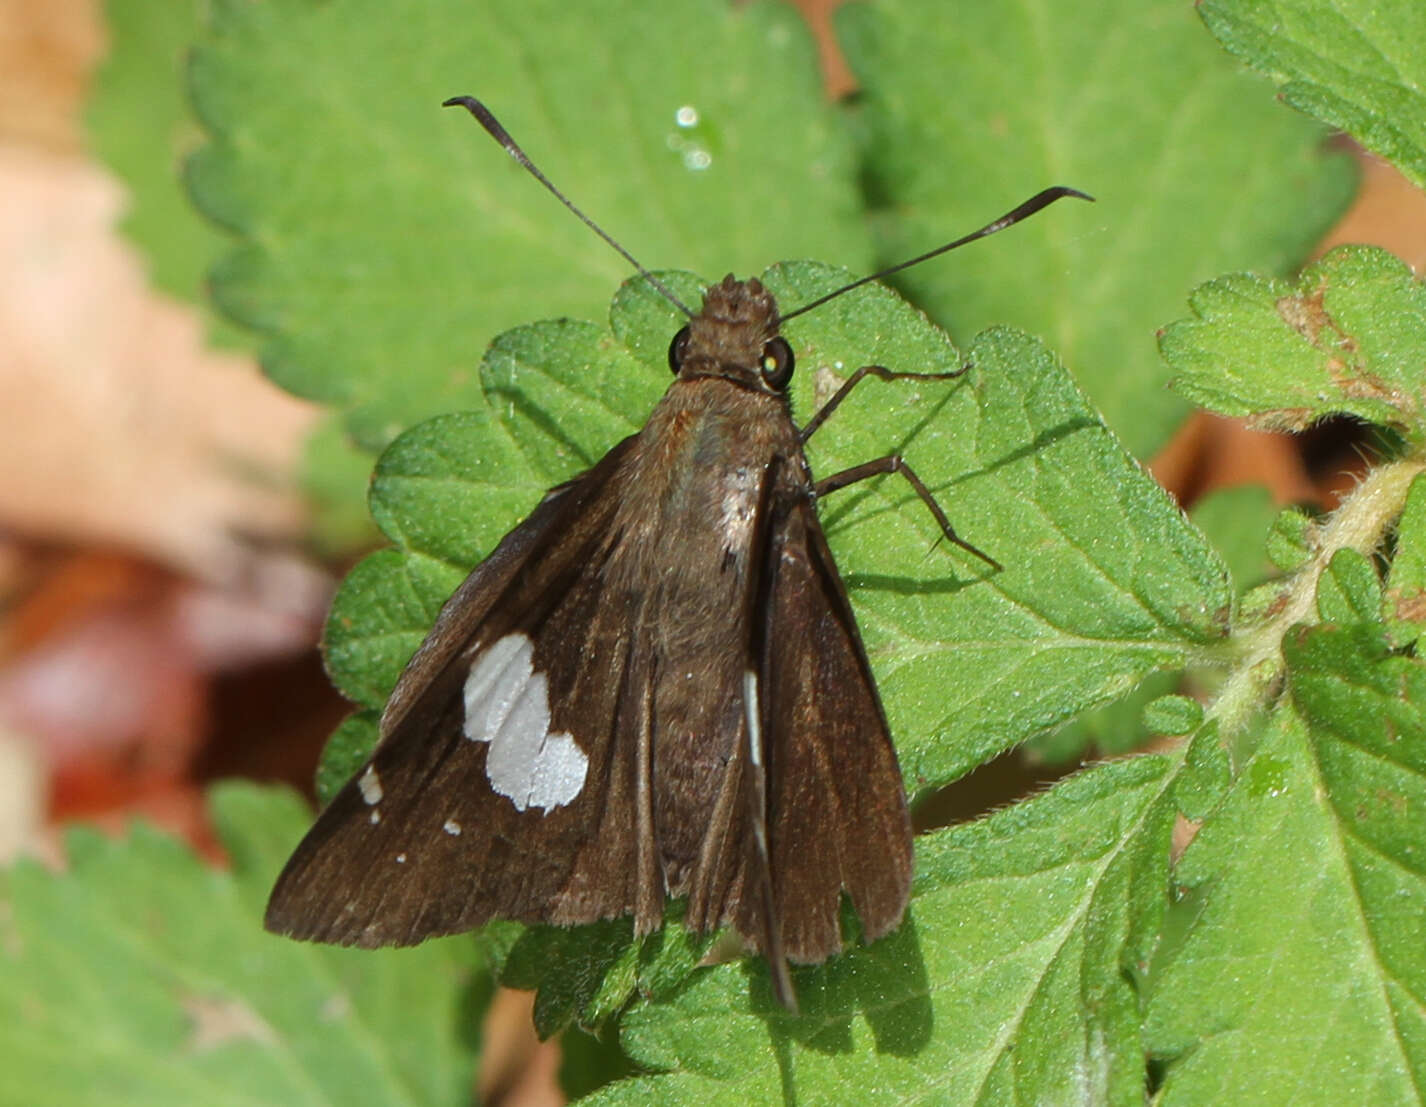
(735, 337)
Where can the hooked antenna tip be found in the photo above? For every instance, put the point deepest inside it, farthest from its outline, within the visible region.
(484, 117)
(493, 128)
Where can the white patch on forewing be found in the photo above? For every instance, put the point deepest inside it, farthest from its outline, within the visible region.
(370, 785)
(507, 704)
(451, 827)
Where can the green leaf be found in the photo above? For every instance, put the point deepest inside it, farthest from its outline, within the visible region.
(1196, 171)
(378, 618)
(1115, 728)
(450, 487)
(142, 975)
(969, 662)
(1406, 581)
(1290, 539)
(385, 241)
(1294, 959)
(1025, 469)
(140, 125)
(588, 1062)
(1173, 715)
(600, 968)
(1236, 521)
(1010, 981)
(1206, 775)
(1359, 65)
(1348, 337)
(335, 475)
(1350, 590)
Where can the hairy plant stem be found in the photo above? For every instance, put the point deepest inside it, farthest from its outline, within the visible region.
(1360, 523)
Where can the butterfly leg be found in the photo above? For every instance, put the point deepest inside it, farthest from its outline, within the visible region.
(880, 372)
(895, 463)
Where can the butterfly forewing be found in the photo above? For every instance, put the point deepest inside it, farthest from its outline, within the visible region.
(437, 847)
(836, 805)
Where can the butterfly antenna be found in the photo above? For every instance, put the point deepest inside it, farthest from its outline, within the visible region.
(501, 135)
(1009, 219)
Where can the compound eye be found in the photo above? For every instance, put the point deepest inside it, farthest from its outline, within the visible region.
(678, 350)
(777, 362)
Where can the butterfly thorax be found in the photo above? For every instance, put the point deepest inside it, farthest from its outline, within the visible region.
(693, 489)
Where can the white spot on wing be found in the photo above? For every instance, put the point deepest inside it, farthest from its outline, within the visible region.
(507, 704)
(370, 785)
(451, 827)
(375, 816)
